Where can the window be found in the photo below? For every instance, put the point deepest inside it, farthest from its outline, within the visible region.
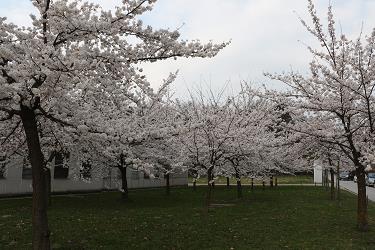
(61, 170)
(85, 171)
(26, 170)
(2, 168)
(146, 175)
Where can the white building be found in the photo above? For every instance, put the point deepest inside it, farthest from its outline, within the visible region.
(15, 179)
(318, 172)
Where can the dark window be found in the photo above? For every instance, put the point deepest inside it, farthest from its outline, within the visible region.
(26, 170)
(61, 170)
(2, 169)
(85, 171)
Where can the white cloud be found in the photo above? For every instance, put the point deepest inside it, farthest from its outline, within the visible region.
(265, 35)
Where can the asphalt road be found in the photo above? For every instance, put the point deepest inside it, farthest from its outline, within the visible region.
(352, 187)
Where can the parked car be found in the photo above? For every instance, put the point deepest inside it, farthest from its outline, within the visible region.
(344, 176)
(370, 179)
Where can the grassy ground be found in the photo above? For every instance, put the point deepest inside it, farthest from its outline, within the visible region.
(281, 218)
(285, 179)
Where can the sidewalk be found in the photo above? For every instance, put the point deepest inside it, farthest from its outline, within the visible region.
(351, 186)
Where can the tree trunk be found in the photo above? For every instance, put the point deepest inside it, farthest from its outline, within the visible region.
(332, 183)
(338, 181)
(271, 181)
(228, 184)
(239, 189)
(194, 184)
(49, 186)
(208, 198)
(209, 192)
(326, 178)
(41, 231)
(124, 183)
(167, 186)
(362, 217)
(239, 186)
(275, 181)
(264, 184)
(210, 178)
(252, 183)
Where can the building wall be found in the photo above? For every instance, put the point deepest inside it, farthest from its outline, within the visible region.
(14, 184)
(136, 179)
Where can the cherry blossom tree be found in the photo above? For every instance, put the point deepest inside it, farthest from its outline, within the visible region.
(337, 97)
(72, 48)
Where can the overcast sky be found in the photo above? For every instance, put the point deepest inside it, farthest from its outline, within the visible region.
(266, 36)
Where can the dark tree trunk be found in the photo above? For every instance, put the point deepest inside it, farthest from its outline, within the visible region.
(167, 185)
(210, 178)
(252, 183)
(194, 184)
(264, 184)
(275, 181)
(209, 192)
(209, 197)
(362, 217)
(239, 189)
(41, 233)
(332, 183)
(124, 183)
(338, 181)
(49, 186)
(239, 186)
(228, 184)
(271, 181)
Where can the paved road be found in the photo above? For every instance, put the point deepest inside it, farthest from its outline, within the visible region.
(352, 187)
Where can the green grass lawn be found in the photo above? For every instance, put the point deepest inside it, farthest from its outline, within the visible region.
(285, 179)
(280, 218)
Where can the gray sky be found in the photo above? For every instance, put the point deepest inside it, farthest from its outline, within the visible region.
(266, 36)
